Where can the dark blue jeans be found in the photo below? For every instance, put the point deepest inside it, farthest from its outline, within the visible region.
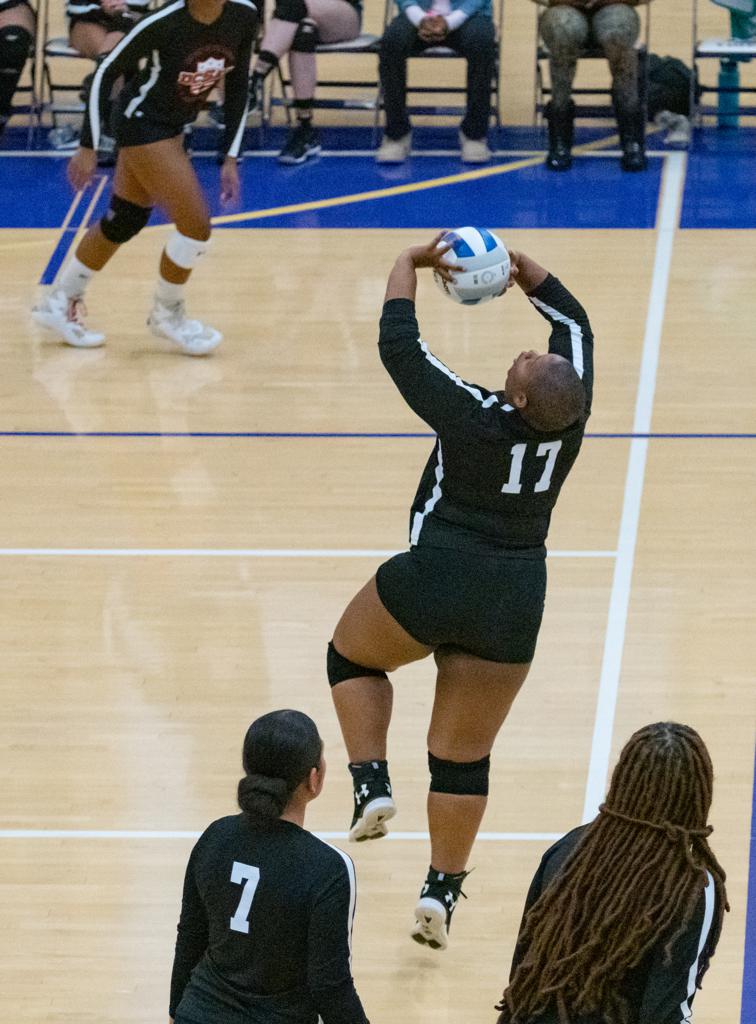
(475, 40)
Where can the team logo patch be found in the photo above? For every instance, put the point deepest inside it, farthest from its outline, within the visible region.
(206, 76)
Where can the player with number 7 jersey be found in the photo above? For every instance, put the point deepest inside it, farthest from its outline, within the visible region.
(471, 588)
(265, 933)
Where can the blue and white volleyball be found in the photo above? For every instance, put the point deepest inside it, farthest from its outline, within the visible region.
(485, 260)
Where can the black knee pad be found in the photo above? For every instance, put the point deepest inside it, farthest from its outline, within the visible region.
(124, 220)
(15, 45)
(306, 37)
(340, 668)
(458, 777)
(290, 10)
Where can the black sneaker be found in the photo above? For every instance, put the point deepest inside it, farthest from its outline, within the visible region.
(435, 907)
(373, 803)
(301, 144)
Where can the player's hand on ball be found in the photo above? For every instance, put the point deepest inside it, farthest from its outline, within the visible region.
(230, 185)
(81, 167)
(432, 256)
(514, 267)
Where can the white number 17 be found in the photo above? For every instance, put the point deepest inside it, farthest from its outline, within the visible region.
(514, 484)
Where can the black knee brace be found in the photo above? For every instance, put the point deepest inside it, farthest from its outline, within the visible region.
(306, 37)
(290, 10)
(341, 668)
(124, 220)
(15, 42)
(459, 778)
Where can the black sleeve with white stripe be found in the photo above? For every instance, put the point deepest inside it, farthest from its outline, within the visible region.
(671, 984)
(430, 388)
(329, 946)
(571, 334)
(122, 59)
(237, 98)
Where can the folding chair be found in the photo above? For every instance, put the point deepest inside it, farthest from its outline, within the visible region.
(364, 44)
(730, 52)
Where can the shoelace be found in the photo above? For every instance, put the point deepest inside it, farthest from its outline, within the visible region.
(76, 312)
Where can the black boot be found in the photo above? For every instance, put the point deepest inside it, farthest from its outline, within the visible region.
(561, 132)
(632, 133)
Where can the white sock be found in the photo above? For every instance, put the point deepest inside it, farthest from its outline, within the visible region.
(75, 278)
(169, 294)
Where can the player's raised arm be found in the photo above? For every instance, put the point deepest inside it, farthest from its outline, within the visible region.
(571, 334)
(430, 388)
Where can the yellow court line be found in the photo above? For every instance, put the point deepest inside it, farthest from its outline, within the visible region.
(399, 190)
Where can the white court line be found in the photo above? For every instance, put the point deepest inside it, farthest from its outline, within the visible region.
(237, 553)
(70, 833)
(614, 641)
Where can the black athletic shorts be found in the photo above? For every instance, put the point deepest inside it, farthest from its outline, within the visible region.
(110, 22)
(138, 131)
(489, 605)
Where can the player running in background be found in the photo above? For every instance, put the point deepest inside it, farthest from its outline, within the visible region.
(188, 47)
(624, 914)
(266, 919)
(471, 588)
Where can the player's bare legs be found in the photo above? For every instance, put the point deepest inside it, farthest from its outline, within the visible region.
(157, 173)
(473, 697)
(92, 40)
(368, 635)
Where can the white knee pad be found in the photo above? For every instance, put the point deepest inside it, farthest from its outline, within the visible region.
(183, 251)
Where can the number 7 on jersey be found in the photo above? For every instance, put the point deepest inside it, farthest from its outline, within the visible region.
(250, 877)
(514, 484)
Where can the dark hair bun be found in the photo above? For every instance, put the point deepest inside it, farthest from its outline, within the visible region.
(262, 796)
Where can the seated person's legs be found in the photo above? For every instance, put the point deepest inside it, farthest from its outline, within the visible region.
(328, 21)
(398, 41)
(615, 29)
(565, 32)
(16, 37)
(475, 39)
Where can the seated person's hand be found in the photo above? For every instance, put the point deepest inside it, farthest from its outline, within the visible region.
(433, 28)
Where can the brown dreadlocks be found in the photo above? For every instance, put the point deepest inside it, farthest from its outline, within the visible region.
(636, 875)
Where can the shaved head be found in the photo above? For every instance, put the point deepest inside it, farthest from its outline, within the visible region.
(556, 396)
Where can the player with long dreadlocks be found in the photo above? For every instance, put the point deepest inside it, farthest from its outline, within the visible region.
(624, 914)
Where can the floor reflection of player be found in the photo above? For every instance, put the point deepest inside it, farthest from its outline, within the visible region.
(188, 47)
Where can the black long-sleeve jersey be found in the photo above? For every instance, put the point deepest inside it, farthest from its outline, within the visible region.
(491, 480)
(266, 928)
(182, 60)
(658, 992)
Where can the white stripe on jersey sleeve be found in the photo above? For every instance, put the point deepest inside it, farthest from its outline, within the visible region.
(576, 332)
(94, 95)
(148, 85)
(435, 361)
(244, 3)
(419, 517)
(709, 896)
(352, 894)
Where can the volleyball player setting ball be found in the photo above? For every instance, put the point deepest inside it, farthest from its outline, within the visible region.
(188, 48)
(470, 590)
